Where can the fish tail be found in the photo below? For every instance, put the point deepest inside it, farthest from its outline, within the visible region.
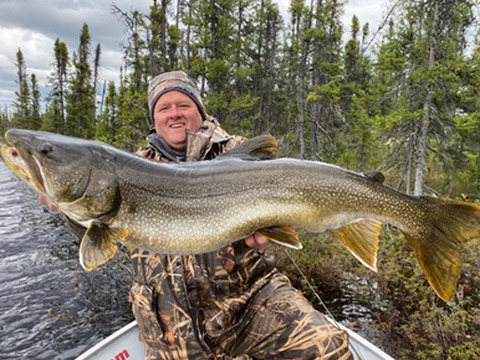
(435, 247)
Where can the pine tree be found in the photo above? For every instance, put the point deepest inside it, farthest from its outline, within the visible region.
(297, 60)
(359, 141)
(157, 30)
(96, 69)
(107, 127)
(81, 98)
(132, 118)
(55, 117)
(323, 98)
(5, 122)
(22, 104)
(270, 107)
(430, 38)
(467, 122)
(36, 118)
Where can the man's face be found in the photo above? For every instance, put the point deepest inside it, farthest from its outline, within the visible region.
(173, 113)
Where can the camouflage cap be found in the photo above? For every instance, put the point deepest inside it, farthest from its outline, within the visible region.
(173, 80)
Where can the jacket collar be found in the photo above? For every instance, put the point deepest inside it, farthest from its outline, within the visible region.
(197, 145)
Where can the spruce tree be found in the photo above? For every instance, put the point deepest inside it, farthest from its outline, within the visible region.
(55, 117)
(81, 97)
(36, 118)
(22, 104)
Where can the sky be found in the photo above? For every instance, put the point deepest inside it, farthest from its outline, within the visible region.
(33, 26)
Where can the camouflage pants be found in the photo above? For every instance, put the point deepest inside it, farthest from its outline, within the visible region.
(286, 326)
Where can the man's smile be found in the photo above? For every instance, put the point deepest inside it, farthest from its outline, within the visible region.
(177, 125)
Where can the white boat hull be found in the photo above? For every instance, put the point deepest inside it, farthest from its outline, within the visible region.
(125, 345)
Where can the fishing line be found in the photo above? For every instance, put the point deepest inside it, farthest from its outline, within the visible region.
(310, 286)
(327, 311)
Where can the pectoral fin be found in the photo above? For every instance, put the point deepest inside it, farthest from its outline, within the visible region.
(99, 244)
(283, 235)
(361, 238)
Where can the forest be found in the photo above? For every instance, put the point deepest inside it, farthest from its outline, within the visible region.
(403, 99)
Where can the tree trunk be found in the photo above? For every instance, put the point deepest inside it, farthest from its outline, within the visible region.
(427, 110)
(189, 29)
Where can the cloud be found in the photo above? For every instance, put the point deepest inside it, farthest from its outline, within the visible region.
(33, 26)
(371, 11)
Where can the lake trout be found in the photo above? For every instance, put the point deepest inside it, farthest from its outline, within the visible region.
(193, 208)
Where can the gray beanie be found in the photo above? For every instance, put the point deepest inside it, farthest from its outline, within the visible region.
(174, 80)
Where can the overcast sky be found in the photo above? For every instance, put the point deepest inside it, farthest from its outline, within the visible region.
(33, 26)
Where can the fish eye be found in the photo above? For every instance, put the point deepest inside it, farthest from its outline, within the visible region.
(46, 148)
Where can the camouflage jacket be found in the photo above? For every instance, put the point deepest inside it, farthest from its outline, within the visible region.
(192, 304)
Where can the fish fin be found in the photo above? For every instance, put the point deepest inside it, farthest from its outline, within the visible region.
(375, 176)
(361, 238)
(436, 250)
(258, 148)
(99, 244)
(284, 235)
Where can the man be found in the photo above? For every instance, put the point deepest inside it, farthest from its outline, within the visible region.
(228, 303)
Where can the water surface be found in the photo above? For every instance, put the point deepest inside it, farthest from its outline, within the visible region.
(50, 308)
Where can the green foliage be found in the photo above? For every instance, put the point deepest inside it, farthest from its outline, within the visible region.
(21, 116)
(81, 97)
(425, 327)
(325, 98)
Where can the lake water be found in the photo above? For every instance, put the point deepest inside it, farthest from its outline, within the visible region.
(49, 307)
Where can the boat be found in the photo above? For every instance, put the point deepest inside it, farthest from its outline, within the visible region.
(125, 345)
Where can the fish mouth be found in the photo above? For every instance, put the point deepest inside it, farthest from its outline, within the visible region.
(28, 171)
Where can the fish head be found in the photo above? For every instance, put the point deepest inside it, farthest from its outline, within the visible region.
(68, 171)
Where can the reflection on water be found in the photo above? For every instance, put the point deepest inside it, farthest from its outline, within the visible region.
(50, 308)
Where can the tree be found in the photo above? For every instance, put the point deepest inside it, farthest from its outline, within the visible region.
(323, 98)
(133, 118)
(107, 126)
(5, 122)
(55, 119)
(22, 104)
(359, 138)
(429, 44)
(81, 97)
(96, 68)
(297, 58)
(269, 107)
(36, 118)
(424, 122)
(157, 30)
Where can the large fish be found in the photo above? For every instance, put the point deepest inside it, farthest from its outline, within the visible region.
(199, 207)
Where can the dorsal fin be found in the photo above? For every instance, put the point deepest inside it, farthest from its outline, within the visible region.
(374, 175)
(258, 148)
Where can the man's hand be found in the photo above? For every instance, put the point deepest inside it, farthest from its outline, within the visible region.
(48, 204)
(257, 241)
